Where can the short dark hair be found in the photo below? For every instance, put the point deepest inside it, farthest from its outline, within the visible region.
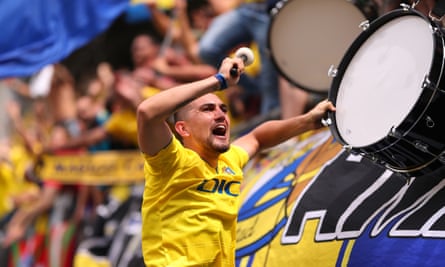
(176, 117)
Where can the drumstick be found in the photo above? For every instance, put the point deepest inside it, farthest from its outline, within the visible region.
(246, 55)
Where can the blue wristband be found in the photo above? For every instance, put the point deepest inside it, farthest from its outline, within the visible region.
(222, 81)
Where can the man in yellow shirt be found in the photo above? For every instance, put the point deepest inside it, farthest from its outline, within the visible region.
(190, 202)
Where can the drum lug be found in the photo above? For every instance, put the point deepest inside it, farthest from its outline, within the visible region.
(428, 84)
(351, 150)
(421, 146)
(332, 72)
(326, 122)
(394, 133)
(429, 122)
(373, 158)
(364, 25)
(405, 7)
(277, 8)
(437, 30)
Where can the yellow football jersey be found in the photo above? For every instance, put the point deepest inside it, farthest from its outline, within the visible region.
(189, 209)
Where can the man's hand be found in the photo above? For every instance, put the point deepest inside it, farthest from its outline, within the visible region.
(319, 112)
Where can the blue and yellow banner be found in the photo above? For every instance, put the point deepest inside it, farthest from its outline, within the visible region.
(311, 203)
(100, 168)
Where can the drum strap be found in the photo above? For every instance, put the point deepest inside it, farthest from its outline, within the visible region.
(438, 10)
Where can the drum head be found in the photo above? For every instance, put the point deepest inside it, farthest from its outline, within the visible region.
(383, 79)
(306, 37)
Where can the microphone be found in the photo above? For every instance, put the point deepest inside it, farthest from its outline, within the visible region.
(246, 55)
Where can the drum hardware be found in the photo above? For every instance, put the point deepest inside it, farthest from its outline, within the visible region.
(406, 172)
(440, 158)
(364, 25)
(429, 122)
(421, 146)
(405, 7)
(277, 7)
(437, 30)
(393, 132)
(373, 158)
(370, 156)
(326, 122)
(412, 170)
(417, 144)
(426, 83)
(332, 71)
(349, 149)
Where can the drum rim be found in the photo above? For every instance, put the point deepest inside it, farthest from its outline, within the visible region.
(273, 13)
(426, 95)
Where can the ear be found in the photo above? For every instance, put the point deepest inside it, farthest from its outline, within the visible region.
(181, 128)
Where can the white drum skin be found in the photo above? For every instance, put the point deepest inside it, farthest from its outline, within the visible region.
(384, 80)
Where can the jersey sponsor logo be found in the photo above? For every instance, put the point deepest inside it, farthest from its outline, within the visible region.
(227, 170)
(220, 186)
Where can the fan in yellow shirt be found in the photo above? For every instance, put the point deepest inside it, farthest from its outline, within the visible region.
(15, 190)
(190, 202)
(192, 211)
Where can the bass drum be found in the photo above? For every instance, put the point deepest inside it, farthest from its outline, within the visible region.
(306, 37)
(388, 93)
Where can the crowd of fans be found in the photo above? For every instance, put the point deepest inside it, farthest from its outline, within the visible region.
(50, 113)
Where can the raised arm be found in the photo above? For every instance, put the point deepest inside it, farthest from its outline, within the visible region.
(152, 114)
(274, 132)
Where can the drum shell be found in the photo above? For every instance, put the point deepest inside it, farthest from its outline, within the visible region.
(414, 146)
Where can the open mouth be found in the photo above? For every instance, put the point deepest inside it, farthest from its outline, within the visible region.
(220, 130)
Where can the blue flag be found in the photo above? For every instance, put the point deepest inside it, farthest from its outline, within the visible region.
(40, 32)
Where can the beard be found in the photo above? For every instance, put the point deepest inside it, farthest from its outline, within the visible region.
(218, 146)
(221, 148)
